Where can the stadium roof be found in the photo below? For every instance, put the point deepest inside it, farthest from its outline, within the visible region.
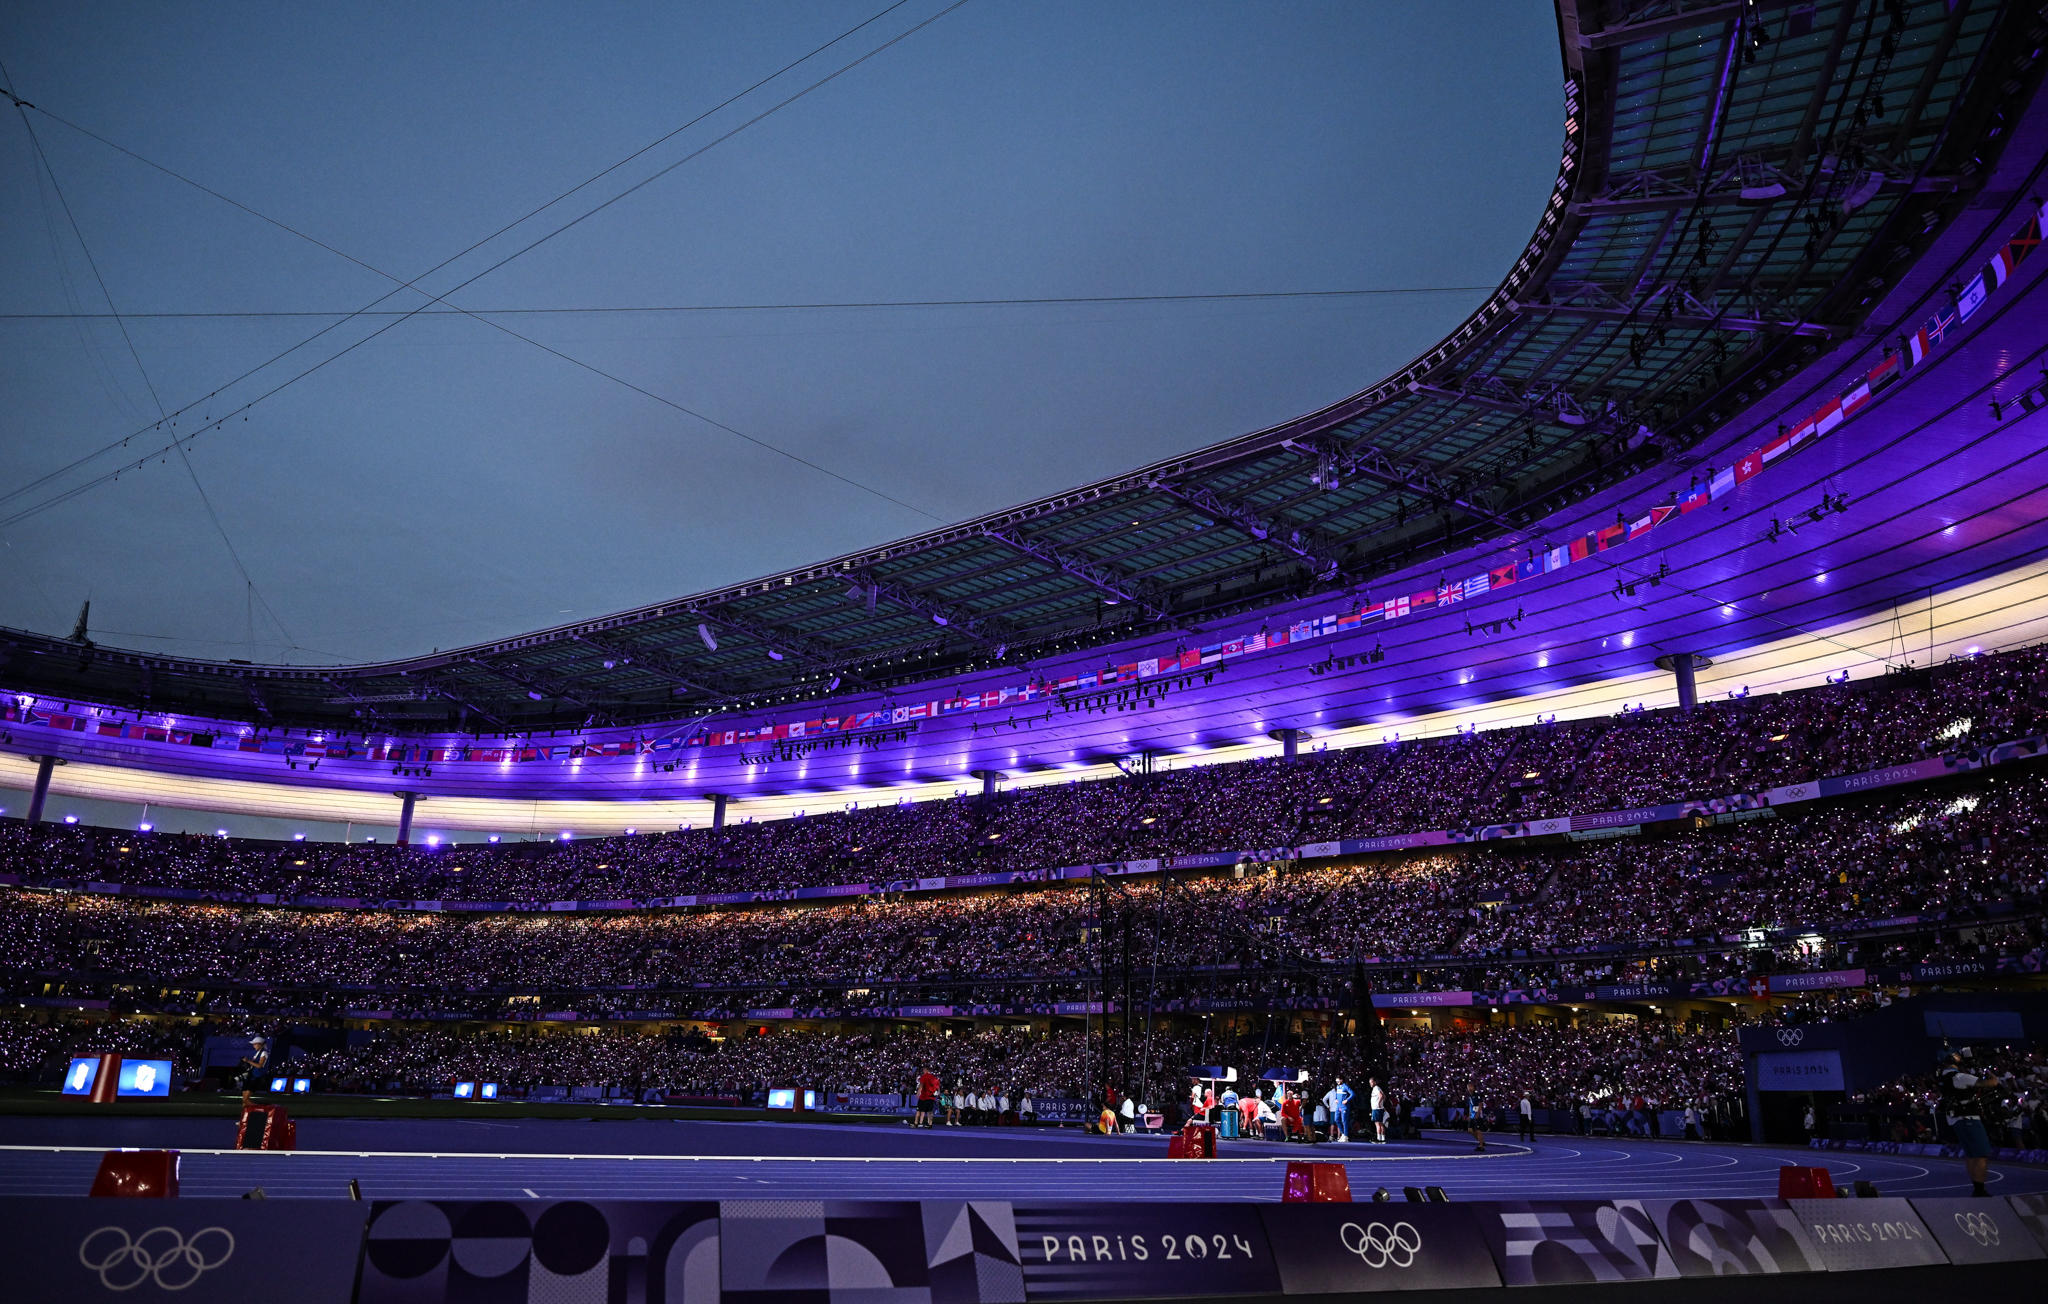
(1737, 185)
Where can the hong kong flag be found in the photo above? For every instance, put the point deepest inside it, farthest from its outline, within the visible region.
(1760, 988)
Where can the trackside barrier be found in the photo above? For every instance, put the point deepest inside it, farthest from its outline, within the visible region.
(144, 1174)
(1316, 1183)
(424, 1251)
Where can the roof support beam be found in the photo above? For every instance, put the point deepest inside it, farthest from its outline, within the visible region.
(988, 631)
(430, 687)
(1667, 305)
(1303, 543)
(1101, 577)
(1666, 16)
(660, 663)
(537, 689)
(781, 642)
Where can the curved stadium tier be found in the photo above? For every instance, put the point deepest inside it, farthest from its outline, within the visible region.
(1656, 660)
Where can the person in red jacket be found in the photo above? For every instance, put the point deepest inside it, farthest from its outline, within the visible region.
(927, 1098)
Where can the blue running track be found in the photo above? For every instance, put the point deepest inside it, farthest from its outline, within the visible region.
(690, 1160)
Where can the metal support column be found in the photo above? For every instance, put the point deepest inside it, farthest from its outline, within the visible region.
(44, 766)
(1683, 667)
(1289, 740)
(405, 802)
(717, 809)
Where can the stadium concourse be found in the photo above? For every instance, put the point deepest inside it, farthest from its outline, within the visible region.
(1591, 771)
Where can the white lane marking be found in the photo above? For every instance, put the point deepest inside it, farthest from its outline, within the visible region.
(529, 1193)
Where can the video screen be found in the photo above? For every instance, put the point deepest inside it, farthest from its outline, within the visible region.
(79, 1077)
(465, 1090)
(488, 1090)
(277, 1084)
(144, 1078)
(302, 1085)
(782, 1098)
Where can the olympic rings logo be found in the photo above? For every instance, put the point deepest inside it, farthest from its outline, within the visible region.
(1979, 1227)
(1791, 1036)
(1380, 1245)
(161, 1255)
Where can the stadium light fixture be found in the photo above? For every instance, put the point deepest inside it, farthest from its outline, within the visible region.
(71, 819)
(710, 640)
(494, 837)
(220, 833)
(145, 826)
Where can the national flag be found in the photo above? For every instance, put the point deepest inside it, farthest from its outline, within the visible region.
(1777, 447)
(920, 711)
(1582, 547)
(1190, 658)
(1347, 620)
(1475, 585)
(1918, 346)
(1372, 611)
(1640, 527)
(1884, 373)
(1233, 647)
(1127, 671)
(1396, 608)
(1607, 536)
(1426, 598)
(1696, 496)
(1279, 638)
(1972, 298)
(1557, 559)
(1256, 643)
(1760, 987)
(1999, 270)
(1723, 483)
(1530, 569)
(1212, 654)
(1751, 464)
(2025, 240)
(1825, 418)
(1939, 324)
(1854, 397)
(1450, 593)
(1502, 576)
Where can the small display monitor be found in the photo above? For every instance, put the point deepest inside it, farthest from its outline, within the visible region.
(782, 1098)
(488, 1090)
(302, 1085)
(143, 1077)
(78, 1079)
(810, 1099)
(465, 1090)
(277, 1084)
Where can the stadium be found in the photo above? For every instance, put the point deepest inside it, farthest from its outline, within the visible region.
(1581, 795)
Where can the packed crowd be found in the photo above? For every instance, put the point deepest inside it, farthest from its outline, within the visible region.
(1929, 866)
(1739, 745)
